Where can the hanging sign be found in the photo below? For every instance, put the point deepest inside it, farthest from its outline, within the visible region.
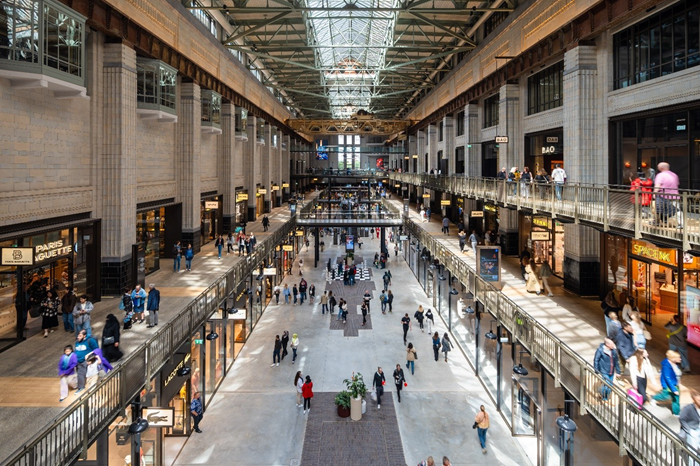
(51, 250)
(539, 236)
(426, 196)
(552, 139)
(17, 256)
(477, 213)
(445, 202)
(211, 205)
(285, 185)
(275, 188)
(241, 197)
(159, 417)
(501, 139)
(287, 247)
(262, 191)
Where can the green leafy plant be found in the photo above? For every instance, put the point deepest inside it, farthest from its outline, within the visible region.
(356, 385)
(342, 399)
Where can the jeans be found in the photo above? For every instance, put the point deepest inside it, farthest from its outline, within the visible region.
(294, 354)
(405, 332)
(605, 389)
(398, 390)
(482, 436)
(340, 314)
(383, 306)
(558, 189)
(411, 365)
(188, 264)
(324, 308)
(665, 395)
(380, 391)
(307, 403)
(286, 299)
(275, 357)
(68, 322)
(220, 248)
(197, 419)
(84, 326)
(436, 352)
(176, 264)
(683, 351)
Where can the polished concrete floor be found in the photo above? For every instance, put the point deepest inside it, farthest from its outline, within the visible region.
(253, 420)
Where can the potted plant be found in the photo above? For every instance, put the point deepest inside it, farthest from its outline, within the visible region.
(356, 387)
(342, 400)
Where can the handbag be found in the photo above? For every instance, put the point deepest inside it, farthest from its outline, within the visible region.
(634, 397)
(647, 335)
(415, 354)
(476, 424)
(107, 341)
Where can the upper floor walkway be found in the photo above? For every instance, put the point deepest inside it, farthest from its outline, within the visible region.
(669, 218)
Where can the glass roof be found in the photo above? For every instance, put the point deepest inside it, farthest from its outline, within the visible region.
(351, 49)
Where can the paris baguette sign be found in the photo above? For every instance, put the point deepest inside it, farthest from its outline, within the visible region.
(17, 256)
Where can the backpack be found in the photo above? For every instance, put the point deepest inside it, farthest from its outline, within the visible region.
(126, 304)
(175, 251)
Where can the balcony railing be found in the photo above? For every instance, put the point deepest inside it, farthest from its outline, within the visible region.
(670, 216)
(648, 439)
(349, 217)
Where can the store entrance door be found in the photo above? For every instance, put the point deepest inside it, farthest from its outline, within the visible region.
(643, 289)
(35, 283)
(527, 419)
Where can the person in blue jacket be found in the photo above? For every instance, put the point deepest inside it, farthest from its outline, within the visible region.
(67, 372)
(670, 382)
(84, 345)
(607, 364)
(189, 255)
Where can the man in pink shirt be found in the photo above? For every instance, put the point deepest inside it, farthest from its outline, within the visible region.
(665, 183)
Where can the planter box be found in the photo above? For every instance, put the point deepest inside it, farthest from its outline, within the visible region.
(356, 409)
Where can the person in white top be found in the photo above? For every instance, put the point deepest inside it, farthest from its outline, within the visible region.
(640, 367)
(559, 178)
(422, 215)
(298, 383)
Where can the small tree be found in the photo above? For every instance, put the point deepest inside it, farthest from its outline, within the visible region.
(342, 399)
(356, 385)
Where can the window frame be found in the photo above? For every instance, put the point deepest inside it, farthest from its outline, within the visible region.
(542, 98)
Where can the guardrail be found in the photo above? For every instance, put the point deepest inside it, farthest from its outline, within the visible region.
(63, 440)
(649, 440)
(343, 172)
(644, 213)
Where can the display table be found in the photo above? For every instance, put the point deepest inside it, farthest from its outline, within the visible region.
(669, 300)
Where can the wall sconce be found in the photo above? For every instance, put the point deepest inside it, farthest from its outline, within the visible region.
(184, 371)
(628, 165)
(644, 165)
(490, 335)
(212, 336)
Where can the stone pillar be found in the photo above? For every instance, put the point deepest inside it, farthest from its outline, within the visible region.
(275, 169)
(432, 144)
(118, 167)
(583, 152)
(249, 166)
(508, 231)
(510, 154)
(265, 155)
(412, 149)
(472, 131)
(422, 151)
(581, 260)
(188, 172)
(285, 157)
(227, 149)
(448, 132)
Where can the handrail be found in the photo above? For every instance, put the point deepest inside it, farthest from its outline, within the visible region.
(674, 217)
(648, 439)
(70, 433)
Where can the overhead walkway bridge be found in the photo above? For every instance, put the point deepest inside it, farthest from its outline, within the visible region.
(608, 208)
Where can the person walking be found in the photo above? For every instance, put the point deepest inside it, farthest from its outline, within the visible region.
(430, 321)
(84, 345)
(406, 322)
(378, 385)
(670, 382)
(640, 367)
(189, 255)
(331, 302)
(419, 316)
(197, 411)
(383, 301)
(462, 236)
(324, 302)
(81, 315)
(67, 371)
(607, 364)
(411, 357)
(277, 292)
(559, 178)
(481, 421)
(67, 305)
(474, 240)
(446, 345)
(446, 225)
(399, 380)
(545, 273)
(276, 351)
(307, 393)
(295, 292)
(299, 384)
(110, 339)
(390, 299)
(286, 293)
(302, 291)
(138, 296)
(690, 422)
(219, 243)
(429, 461)
(363, 308)
(265, 223)
(312, 293)
(367, 297)
(153, 305)
(295, 346)
(525, 182)
(677, 340)
(437, 344)
(229, 243)
(532, 284)
(49, 312)
(626, 344)
(285, 342)
(241, 240)
(177, 254)
(666, 195)
(422, 216)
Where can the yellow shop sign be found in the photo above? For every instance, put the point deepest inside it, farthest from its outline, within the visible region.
(649, 251)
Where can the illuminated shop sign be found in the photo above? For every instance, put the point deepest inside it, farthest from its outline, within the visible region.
(649, 251)
(50, 250)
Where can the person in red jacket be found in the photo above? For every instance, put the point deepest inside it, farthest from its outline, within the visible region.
(645, 186)
(307, 393)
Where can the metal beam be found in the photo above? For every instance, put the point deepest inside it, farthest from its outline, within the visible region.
(438, 25)
(255, 28)
(424, 11)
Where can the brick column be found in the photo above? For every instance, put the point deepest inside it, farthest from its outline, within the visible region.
(448, 126)
(227, 149)
(285, 158)
(249, 167)
(432, 143)
(511, 154)
(508, 231)
(583, 152)
(472, 131)
(265, 155)
(118, 167)
(188, 150)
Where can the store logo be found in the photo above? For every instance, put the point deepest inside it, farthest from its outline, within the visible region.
(549, 150)
(51, 250)
(652, 253)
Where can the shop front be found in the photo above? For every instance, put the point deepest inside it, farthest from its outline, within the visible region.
(152, 232)
(544, 238)
(544, 150)
(241, 206)
(211, 218)
(260, 200)
(43, 259)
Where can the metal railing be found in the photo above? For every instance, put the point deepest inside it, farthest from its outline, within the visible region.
(640, 433)
(343, 172)
(358, 217)
(644, 213)
(64, 439)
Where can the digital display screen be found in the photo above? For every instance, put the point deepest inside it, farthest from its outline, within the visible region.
(489, 266)
(692, 314)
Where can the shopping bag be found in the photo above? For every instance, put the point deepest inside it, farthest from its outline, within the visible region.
(634, 397)
(374, 395)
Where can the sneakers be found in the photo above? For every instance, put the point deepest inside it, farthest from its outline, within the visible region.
(79, 390)
(550, 295)
(483, 450)
(198, 431)
(278, 364)
(379, 406)
(149, 326)
(304, 411)
(272, 365)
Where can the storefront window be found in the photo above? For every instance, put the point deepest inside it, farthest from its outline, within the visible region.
(196, 362)
(544, 238)
(545, 89)
(488, 353)
(491, 111)
(210, 219)
(215, 352)
(150, 230)
(544, 151)
(654, 281)
(615, 263)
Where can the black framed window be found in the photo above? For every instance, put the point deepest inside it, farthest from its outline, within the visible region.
(545, 89)
(664, 43)
(460, 123)
(441, 131)
(491, 111)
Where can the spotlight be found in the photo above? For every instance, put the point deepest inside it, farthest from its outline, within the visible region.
(454, 292)
(566, 424)
(184, 371)
(138, 427)
(212, 336)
